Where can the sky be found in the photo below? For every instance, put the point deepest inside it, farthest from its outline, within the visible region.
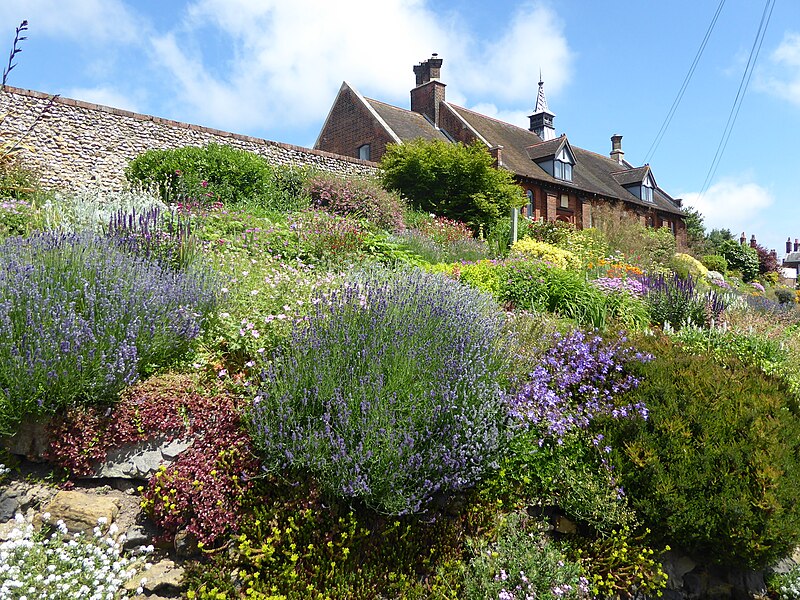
(272, 68)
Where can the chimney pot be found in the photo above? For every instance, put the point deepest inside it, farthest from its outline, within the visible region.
(753, 242)
(742, 238)
(788, 245)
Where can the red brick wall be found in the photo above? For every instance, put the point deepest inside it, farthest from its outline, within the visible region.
(351, 125)
(455, 127)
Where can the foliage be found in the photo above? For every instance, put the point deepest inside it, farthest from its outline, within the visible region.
(767, 261)
(676, 302)
(715, 467)
(451, 180)
(715, 262)
(771, 357)
(93, 209)
(785, 295)
(576, 380)
(16, 217)
(327, 238)
(695, 230)
(531, 248)
(640, 245)
(364, 199)
(740, 258)
(622, 565)
(429, 250)
(167, 238)
(81, 319)
(217, 173)
(686, 265)
(204, 489)
(535, 286)
(36, 565)
(522, 563)
(298, 543)
(550, 232)
(384, 392)
(716, 237)
(786, 586)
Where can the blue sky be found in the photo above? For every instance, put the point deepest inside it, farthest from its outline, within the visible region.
(271, 69)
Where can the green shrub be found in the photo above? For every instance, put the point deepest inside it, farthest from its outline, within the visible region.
(740, 257)
(535, 286)
(784, 295)
(360, 198)
(715, 262)
(217, 173)
(715, 469)
(451, 180)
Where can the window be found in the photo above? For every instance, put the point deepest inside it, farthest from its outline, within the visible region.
(529, 210)
(563, 171)
(562, 167)
(647, 188)
(363, 152)
(564, 201)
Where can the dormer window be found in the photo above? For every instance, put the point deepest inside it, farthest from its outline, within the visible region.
(562, 166)
(647, 188)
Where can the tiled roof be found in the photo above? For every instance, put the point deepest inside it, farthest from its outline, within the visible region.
(792, 258)
(630, 176)
(545, 149)
(592, 173)
(406, 124)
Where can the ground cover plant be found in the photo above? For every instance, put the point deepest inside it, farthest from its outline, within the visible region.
(389, 393)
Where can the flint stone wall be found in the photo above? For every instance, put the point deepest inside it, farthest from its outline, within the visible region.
(77, 145)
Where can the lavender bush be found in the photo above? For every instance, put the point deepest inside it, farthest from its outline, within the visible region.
(677, 301)
(80, 319)
(389, 392)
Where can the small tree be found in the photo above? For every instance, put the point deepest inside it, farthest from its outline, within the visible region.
(451, 180)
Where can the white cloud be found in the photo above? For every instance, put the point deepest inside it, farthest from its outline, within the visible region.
(83, 21)
(733, 204)
(781, 76)
(508, 69)
(286, 60)
(105, 96)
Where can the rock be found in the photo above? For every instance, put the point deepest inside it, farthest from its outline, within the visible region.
(676, 566)
(164, 578)
(81, 511)
(186, 545)
(30, 440)
(141, 461)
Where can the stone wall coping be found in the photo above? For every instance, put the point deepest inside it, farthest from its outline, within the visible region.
(182, 125)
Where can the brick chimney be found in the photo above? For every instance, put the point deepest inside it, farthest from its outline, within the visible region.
(788, 245)
(753, 242)
(429, 91)
(743, 239)
(616, 148)
(796, 245)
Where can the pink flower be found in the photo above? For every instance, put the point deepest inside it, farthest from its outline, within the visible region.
(204, 183)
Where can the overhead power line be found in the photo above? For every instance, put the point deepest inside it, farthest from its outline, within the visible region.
(686, 80)
(766, 15)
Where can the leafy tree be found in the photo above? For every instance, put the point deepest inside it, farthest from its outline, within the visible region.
(695, 230)
(451, 180)
(767, 262)
(717, 237)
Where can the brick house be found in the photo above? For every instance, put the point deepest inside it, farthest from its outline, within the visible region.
(563, 182)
